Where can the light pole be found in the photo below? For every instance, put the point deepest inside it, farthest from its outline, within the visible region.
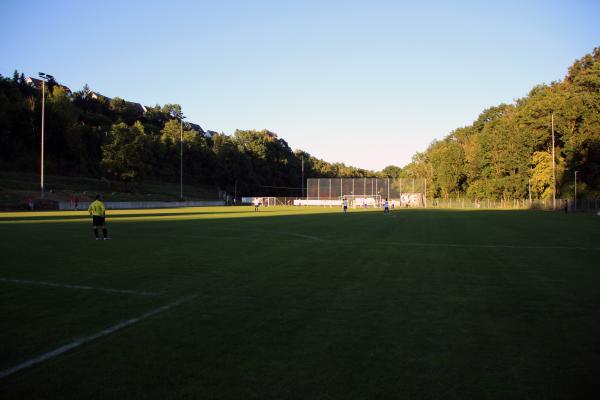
(554, 158)
(530, 201)
(44, 77)
(425, 192)
(553, 169)
(181, 118)
(575, 193)
(302, 183)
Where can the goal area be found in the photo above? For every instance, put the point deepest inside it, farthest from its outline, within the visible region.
(361, 200)
(263, 201)
(269, 201)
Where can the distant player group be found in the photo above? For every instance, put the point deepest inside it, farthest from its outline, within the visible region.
(386, 206)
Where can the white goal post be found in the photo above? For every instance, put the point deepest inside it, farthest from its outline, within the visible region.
(263, 201)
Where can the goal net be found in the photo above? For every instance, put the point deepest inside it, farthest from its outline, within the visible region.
(269, 201)
(357, 201)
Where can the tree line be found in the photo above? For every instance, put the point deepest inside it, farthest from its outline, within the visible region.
(506, 153)
(90, 135)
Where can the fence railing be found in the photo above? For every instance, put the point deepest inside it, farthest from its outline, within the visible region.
(482, 203)
(585, 205)
(124, 205)
(582, 205)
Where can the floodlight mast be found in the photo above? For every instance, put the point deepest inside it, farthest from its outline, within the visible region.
(554, 158)
(553, 169)
(44, 77)
(302, 183)
(181, 118)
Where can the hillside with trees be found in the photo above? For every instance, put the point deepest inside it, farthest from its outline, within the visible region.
(504, 152)
(90, 135)
(509, 146)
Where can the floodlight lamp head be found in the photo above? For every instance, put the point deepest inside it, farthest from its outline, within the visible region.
(45, 76)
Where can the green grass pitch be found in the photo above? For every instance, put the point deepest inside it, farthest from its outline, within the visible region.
(291, 303)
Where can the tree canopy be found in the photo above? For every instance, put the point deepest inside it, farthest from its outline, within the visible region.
(506, 150)
(510, 146)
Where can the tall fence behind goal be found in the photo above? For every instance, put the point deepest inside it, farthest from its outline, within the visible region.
(401, 192)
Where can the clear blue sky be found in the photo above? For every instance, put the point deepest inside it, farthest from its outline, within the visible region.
(368, 83)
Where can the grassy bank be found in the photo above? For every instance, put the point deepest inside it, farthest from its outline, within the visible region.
(16, 187)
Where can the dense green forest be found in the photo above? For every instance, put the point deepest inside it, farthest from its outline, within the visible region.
(507, 149)
(93, 136)
(510, 145)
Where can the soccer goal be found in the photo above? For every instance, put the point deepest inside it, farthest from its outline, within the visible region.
(356, 201)
(269, 201)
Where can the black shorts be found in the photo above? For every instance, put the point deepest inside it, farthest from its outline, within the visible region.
(98, 221)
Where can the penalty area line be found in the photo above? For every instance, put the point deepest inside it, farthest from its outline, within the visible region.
(81, 341)
(69, 286)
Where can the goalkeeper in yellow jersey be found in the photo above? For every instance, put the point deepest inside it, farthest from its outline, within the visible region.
(98, 213)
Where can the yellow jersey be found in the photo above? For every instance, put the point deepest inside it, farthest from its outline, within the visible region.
(97, 208)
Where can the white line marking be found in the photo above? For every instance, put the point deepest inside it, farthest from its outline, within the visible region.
(316, 238)
(68, 286)
(79, 342)
(491, 246)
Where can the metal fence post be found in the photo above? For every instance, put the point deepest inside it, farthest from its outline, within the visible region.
(388, 188)
(319, 189)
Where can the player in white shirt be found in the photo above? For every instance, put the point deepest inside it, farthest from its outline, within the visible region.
(256, 204)
(345, 205)
(386, 207)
